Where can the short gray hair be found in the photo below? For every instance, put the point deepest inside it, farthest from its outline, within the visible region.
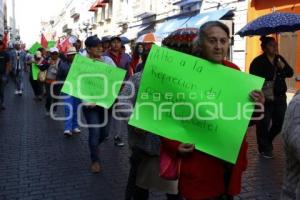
(208, 25)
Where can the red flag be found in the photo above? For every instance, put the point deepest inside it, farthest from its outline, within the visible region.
(5, 39)
(44, 42)
(64, 45)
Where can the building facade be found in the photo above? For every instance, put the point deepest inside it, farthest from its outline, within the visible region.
(132, 18)
(235, 23)
(73, 19)
(9, 20)
(1, 18)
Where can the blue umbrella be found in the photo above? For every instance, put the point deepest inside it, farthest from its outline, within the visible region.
(275, 22)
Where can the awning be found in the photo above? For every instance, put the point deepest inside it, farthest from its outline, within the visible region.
(150, 28)
(185, 2)
(199, 19)
(132, 32)
(195, 21)
(167, 27)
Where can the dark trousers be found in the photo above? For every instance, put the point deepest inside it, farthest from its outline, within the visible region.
(36, 86)
(95, 117)
(270, 126)
(50, 98)
(134, 160)
(134, 192)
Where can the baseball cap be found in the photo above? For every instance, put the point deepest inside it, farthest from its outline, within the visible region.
(115, 38)
(106, 39)
(92, 41)
(53, 49)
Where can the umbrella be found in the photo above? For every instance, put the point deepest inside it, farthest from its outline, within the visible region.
(183, 36)
(148, 38)
(275, 22)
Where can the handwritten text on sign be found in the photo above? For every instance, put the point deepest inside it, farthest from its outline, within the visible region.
(93, 81)
(192, 100)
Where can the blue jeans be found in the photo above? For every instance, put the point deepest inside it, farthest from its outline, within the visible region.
(95, 116)
(71, 108)
(19, 79)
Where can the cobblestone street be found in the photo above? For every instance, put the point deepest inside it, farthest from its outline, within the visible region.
(37, 162)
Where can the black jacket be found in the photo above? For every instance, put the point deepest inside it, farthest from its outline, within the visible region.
(261, 66)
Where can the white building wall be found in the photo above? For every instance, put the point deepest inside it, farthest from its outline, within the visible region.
(240, 19)
(11, 19)
(1, 17)
(128, 12)
(86, 19)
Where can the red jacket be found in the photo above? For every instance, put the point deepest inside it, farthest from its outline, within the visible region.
(133, 64)
(202, 175)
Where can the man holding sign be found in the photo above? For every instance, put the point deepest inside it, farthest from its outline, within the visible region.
(213, 170)
(33, 75)
(94, 80)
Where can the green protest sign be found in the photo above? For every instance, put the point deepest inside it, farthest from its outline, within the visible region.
(93, 81)
(192, 100)
(51, 44)
(34, 47)
(34, 71)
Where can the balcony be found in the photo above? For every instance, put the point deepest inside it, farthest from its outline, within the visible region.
(186, 2)
(66, 29)
(143, 15)
(74, 13)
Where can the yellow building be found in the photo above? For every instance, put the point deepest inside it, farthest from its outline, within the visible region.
(289, 43)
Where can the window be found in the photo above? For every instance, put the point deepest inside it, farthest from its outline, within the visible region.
(103, 14)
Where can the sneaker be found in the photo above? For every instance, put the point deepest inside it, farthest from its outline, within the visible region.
(267, 155)
(16, 92)
(67, 133)
(76, 131)
(20, 92)
(118, 141)
(95, 167)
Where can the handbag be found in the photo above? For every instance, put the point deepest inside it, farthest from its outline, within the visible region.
(169, 167)
(268, 90)
(42, 76)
